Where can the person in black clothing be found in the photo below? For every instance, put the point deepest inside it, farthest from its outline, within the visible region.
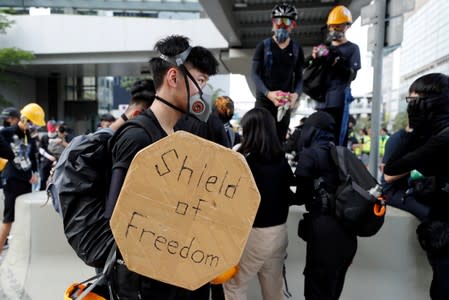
(277, 68)
(266, 248)
(292, 143)
(343, 62)
(424, 148)
(10, 116)
(397, 193)
(330, 247)
(179, 74)
(21, 171)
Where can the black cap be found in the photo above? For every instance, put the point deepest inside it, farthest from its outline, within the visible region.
(10, 112)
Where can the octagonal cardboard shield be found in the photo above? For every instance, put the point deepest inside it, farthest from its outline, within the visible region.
(185, 210)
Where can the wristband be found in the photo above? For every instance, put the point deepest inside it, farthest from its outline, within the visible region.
(124, 117)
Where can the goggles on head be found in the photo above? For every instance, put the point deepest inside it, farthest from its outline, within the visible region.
(280, 21)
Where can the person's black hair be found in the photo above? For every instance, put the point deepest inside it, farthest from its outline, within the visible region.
(202, 59)
(143, 91)
(107, 117)
(199, 57)
(259, 134)
(430, 84)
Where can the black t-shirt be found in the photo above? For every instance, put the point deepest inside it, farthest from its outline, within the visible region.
(273, 179)
(130, 141)
(285, 75)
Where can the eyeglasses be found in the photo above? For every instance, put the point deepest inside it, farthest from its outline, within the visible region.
(413, 98)
(279, 21)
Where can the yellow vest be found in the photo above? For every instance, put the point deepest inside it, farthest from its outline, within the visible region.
(366, 146)
(382, 142)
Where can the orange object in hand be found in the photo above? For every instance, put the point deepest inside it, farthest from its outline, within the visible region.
(223, 277)
(380, 208)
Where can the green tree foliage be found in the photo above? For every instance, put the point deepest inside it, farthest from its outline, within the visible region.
(400, 121)
(10, 57)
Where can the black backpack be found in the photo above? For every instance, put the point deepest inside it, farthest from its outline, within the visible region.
(79, 187)
(356, 200)
(314, 78)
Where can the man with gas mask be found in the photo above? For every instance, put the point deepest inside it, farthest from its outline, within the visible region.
(21, 170)
(180, 73)
(424, 149)
(342, 61)
(277, 68)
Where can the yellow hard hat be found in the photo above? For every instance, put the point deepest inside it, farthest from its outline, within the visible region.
(34, 113)
(339, 15)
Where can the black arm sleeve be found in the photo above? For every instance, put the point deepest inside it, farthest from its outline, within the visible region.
(423, 157)
(257, 69)
(298, 71)
(33, 155)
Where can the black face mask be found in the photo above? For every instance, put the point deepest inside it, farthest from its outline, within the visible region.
(423, 111)
(6, 123)
(417, 117)
(335, 35)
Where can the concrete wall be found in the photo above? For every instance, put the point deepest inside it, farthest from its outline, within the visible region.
(20, 91)
(64, 34)
(390, 265)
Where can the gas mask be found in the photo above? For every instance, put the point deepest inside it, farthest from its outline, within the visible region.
(281, 35)
(335, 35)
(200, 104)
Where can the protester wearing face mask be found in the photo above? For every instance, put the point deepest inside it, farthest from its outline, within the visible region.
(277, 68)
(22, 168)
(10, 116)
(423, 148)
(342, 63)
(180, 72)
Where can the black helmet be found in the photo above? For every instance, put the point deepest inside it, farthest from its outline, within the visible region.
(284, 10)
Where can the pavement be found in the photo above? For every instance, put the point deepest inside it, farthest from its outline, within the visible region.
(40, 264)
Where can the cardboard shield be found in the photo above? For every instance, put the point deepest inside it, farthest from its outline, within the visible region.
(185, 210)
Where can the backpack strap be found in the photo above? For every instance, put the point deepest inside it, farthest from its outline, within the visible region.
(267, 56)
(338, 161)
(101, 276)
(146, 122)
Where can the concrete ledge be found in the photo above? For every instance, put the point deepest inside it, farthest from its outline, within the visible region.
(41, 265)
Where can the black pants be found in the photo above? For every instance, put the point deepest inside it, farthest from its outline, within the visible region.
(45, 173)
(330, 251)
(127, 285)
(439, 289)
(13, 189)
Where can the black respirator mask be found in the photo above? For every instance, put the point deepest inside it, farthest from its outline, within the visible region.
(200, 104)
(421, 111)
(335, 35)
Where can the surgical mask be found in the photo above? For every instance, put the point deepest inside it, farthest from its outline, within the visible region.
(335, 35)
(281, 35)
(200, 106)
